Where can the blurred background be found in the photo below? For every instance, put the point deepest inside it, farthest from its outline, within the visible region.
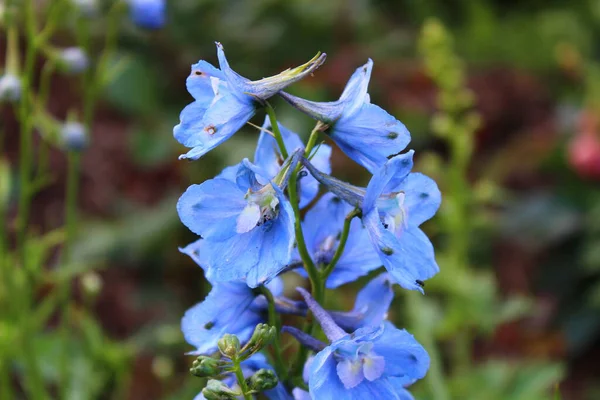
(502, 99)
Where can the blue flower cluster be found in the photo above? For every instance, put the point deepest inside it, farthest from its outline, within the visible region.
(251, 230)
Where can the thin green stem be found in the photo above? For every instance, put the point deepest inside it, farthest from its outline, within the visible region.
(312, 139)
(241, 380)
(342, 245)
(275, 320)
(276, 131)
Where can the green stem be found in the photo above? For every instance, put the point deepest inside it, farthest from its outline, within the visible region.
(241, 380)
(340, 249)
(276, 131)
(275, 320)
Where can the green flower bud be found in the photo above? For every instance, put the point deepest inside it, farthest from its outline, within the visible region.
(217, 390)
(263, 379)
(205, 366)
(229, 345)
(262, 336)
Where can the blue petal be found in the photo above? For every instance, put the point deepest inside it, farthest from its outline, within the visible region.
(186, 132)
(358, 259)
(220, 121)
(300, 394)
(389, 175)
(202, 80)
(422, 197)
(355, 92)
(229, 173)
(325, 219)
(399, 384)
(256, 256)
(350, 372)
(197, 251)
(276, 287)
(205, 323)
(370, 135)
(374, 300)
(211, 209)
(404, 356)
(408, 259)
(324, 382)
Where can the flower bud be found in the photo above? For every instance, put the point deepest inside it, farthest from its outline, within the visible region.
(217, 390)
(74, 136)
(205, 366)
(262, 336)
(263, 379)
(10, 88)
(229, 345)
(73, 60)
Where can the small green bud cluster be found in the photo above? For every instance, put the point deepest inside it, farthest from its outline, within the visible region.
(232, 355)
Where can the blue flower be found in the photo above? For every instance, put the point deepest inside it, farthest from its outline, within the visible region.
(372, 362)
(269, 158)
(225, 101)
(249, 367)
(364, 131)
(393, 206)
(149, 14)
(10, 88)
(322, 227)
(74, 59)
(248, 226)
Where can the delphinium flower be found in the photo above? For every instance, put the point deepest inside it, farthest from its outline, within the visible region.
(249, 226)
(322, 227)
(10, 88)
(374, 362)
(74, 136)
(148, 14)
(364, 131)
(393, 206)
(268, 156)
(73, 60)
(225, 101)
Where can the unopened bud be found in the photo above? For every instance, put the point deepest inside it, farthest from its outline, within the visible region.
(229, 345)
(262, 336)
(217, 390)
(74, 136)
(10, 88)
(205, 366)
(263, 379)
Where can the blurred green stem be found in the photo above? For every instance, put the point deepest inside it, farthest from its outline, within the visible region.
(239, 374)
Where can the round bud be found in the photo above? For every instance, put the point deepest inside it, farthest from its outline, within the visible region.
(263, 379)
(217, 390)
(229, 345)
(205, 366)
